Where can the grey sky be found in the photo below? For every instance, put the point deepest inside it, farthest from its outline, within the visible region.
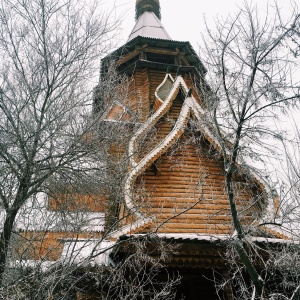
(184, 19)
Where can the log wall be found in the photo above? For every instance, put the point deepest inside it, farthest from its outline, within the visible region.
(186, 193)
(77, 202)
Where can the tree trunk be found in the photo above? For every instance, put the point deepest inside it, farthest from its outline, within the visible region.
(4, 240)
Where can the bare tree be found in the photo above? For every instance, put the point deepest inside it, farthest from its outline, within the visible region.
(55, 150)
(132, 273)
(49, 56)
(252, 59)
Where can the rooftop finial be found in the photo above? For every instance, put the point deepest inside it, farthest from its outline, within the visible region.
(147, 5)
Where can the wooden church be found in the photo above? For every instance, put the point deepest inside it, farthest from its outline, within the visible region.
(174, 185)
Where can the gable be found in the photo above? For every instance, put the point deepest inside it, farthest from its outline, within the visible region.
(184, 190)
(155, 174)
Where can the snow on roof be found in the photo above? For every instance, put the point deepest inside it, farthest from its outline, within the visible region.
(77, 251)
(35, 216)
(61, 221)
(87, 251)
(148, 25)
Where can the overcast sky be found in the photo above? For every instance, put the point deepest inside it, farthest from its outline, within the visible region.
(184, 19)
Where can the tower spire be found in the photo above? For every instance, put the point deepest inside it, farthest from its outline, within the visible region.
(148, 22)
(147, 5)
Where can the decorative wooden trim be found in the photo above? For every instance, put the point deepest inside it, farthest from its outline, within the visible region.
(190, 106)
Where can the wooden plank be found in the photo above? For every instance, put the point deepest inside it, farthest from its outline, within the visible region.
(162, 51)
(128, 57)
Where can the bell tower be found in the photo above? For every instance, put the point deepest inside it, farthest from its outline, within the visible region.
(148, 54)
